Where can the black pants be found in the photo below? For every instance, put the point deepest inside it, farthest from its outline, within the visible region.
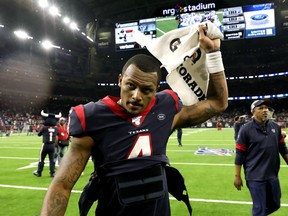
(266, 196)
(47, 149)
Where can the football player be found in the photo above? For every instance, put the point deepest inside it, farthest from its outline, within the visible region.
(127, 137)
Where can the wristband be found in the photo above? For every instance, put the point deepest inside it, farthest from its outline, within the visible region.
(214, 62)
(211, 51)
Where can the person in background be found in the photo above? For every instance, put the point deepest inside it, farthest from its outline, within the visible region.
(30, 130)
(257, 149)
(239, 121)
(284, 134)
(219, 126)
(179, 20)
(63, 140)
(127, 138)
(49, 133)
(179, 136)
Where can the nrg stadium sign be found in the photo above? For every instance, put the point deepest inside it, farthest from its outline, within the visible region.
(188, 8)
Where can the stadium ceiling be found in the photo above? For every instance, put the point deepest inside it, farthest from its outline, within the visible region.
(27, 14)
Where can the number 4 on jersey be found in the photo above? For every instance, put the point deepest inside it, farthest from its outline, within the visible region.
(141, 147)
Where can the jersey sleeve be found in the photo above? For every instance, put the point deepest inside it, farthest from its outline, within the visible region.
(176, 99)
(76, 117)
(77, 124)
(241, 147)
(282, 144)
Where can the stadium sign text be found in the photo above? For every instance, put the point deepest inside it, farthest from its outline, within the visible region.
(188, 8)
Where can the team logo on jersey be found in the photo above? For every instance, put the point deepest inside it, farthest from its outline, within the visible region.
(136, 120)
(161, 116)
(51, 130)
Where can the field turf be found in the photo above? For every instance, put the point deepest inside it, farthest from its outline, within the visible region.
(209, 178)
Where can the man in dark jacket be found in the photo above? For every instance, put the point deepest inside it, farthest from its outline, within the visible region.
(257, 148)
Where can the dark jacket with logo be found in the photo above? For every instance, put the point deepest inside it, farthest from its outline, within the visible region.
(258, 148)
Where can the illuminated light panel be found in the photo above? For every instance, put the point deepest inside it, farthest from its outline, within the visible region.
(22, 35)
(46, 44)
(73, 26)
(43, 3)
(66, 20)
(89, 38)
(54, 11)
(259, 97)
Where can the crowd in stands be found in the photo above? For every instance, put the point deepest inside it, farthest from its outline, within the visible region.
(13, 121)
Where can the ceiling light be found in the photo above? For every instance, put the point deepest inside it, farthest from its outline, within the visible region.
(47, 44)
(53, 10)
(73, 26)
(22, 34)
(66, 20)
(43, 3)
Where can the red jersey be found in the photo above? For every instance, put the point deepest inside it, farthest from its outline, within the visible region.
(63, 132)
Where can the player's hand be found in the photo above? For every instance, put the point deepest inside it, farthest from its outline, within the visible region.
(238, 182)
(205, 42)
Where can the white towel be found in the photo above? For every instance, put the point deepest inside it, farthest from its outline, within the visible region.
(186, 76)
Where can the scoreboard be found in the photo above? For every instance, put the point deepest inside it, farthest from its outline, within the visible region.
(232, 12)
(248, 21)
(237, 22)
(124, 33)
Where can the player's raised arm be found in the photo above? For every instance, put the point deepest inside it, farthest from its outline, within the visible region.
(217, 93)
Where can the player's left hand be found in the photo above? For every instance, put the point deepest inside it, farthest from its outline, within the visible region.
(238, 182)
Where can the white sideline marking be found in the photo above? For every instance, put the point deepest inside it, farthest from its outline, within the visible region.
(171, 198)
(203, 164)
(31, 188)
(18, 158)
(178, 163)
(194, 131)
(211, 164)
(224, 201)
(18, 147)
(161, 31)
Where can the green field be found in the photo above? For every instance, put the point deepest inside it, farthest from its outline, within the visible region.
(209, 178)
(167, 24)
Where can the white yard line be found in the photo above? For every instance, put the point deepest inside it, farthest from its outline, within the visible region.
(19, 158)
(178, 163)
(211, 164)
(171, 198)
(16, 147)
(31, 188)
